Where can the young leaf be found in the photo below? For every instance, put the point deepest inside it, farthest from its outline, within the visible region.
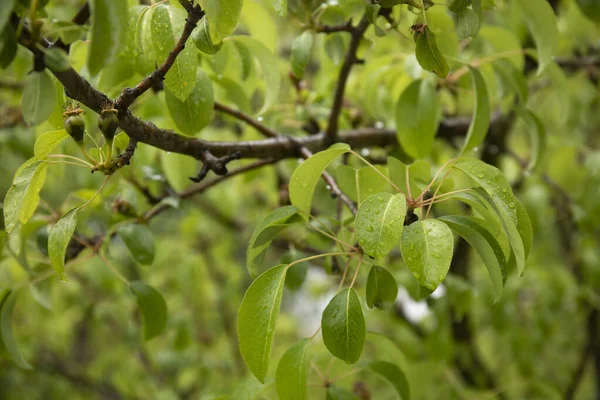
(541, 21)
(196, 111)
(291, 372)
(495, 184)
(524, 227)
(139, 241)
(58, 240)
(109, 24)
(429, 55)
(394, 375)
(7, 308)
(343, 326)
(257, 318)
(467, 23)
(203, 41)
(301, 49)
(427, 250)
(381, 287)
(223, 17)
(166, 26)
(305, 177)
(23, 197)
(512, 77)
(269, 66)
(481, 114)
(144, 60)
(417, 114)
(537, 134)
(379, 223)
(153, 308)
(39, 98)
(486, 246)
(47, 142)
(265, 232)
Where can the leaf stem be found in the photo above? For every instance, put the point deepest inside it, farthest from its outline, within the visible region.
(318, 256)
(376, 170)
(344, 274)
(113, 269)
(69, 163)
(408, 184)
(434, 178)
(356, 272)
(72, 158)
(331, 237)
(97, 191)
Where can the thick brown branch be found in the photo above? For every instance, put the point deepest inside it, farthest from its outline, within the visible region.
(338, 98)
(129, 95)
(345, 27)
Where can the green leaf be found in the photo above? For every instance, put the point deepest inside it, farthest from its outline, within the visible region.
(23, 197)
(8, 46)
(153, 308)
(481, 114)
(280, 7)
(394, 375)
(58, 240)
(417, 115)
(203, 41)
(269, 66)
(381, 287)
(524, 227)
(372, 11)
(338, 393)
(467, 24)
(223, 17)
(39, 98)
(486, 246)
(257, 318)
(291, 372)
(7, 308)
(178, 168)
(429, 55)
(495, 184)
(343, 326)
(541, 21)
(427, 251)
(537, 134)
(301, 50)
(510, 227)
(358, 184)
(513, 78)
(166, 26)
(139, 241)
(589, 8)
(379, 223)
(5, 12)
(305, 177)
(458, 5)
(48, 142)
(109, 25)
(143, 60)
(196, 111)
(265, 232)
(56, 59)
(67, 31)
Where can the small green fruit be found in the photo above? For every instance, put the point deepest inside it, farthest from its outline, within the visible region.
(108, 124)
(75, 127)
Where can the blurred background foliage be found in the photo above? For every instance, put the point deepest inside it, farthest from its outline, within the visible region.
(83, 336)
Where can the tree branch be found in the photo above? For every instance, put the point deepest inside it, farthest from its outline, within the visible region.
(129, 95)
(338, 98)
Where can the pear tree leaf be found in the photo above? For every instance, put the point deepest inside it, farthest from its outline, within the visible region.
(537, 134)
(379, 222)
(481, 115)
(257, 318)
(223, 17)
(291, 372)
(381, 287)
(429, 55)
(59, 238)
(48, 142)
(39, 98)
(541, 21)
(265, 232)
(109, 25)
(467, 23)
(343, 326)
(196, 111)
(304, 179)
(427, 251)
(139, 241)
(7, 308)
(513, 78)
(301, 50)
(23, 197)
(153, 308)
(394, 375)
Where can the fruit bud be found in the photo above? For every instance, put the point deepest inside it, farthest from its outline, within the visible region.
(108, 124)
(75, 127)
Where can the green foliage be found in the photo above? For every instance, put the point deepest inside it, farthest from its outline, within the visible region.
(38, 98)
(153, 308)
(109, 20)
(291, 372)
(59, 238)
(381, 287)
(139, 241)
